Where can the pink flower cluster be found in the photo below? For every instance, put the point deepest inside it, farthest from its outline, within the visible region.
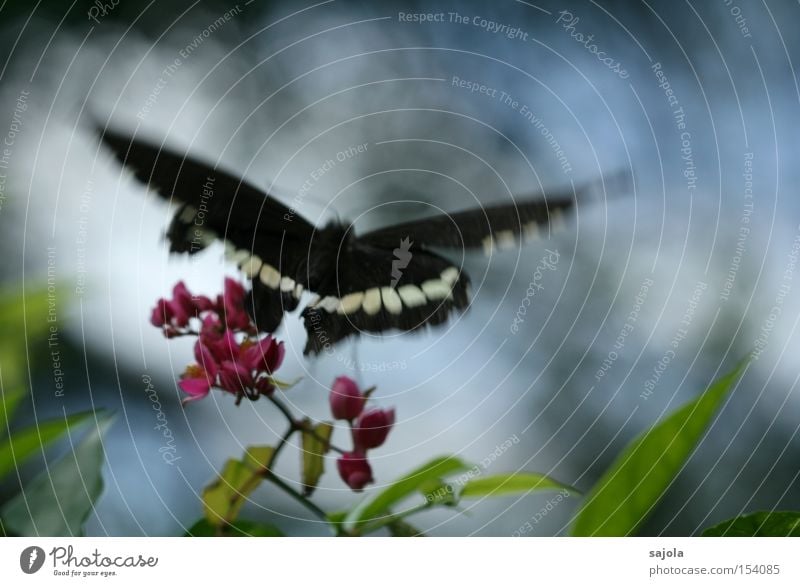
(228, 353)
(369, 430)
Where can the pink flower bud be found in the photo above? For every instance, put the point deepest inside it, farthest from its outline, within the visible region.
(347, 402)
(371, 428)
(354, 470)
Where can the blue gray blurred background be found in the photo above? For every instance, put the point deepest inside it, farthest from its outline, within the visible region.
(663, 280)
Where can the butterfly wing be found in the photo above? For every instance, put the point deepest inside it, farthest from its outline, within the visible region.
(267, 240)
(497, 225)
(378, 289)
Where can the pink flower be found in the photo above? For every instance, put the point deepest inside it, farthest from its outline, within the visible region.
(195, 382)
(371, 428)
(174, 314)
(347, 402)
(354, 470)
(266, 355)
(231, 306)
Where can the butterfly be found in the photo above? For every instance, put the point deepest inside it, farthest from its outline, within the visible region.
(393, 278)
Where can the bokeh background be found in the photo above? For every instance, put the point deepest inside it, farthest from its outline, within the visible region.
(697, 106)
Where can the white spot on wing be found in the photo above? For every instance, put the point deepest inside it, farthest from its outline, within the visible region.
(372, 301)
(270, 276)
(505, 240)
(239, 256)
(531, 230)
(252, 266)
(350, 303)
(187, 214)
(287, 284)
(412, 296)
(450, 275)
(557, 219)
(488, 244)
(436, 289)
(329, 304)
(391, 300)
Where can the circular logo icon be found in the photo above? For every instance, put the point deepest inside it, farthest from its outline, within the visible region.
(31, 559)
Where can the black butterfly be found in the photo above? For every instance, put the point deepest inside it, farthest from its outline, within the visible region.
(386, 279)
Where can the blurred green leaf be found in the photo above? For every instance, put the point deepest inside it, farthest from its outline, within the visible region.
(315, 445)
(9, 400)
(223, 498)
(760, 524)
(239, 529)
(34, 439)
(514, 483)
(380, 504)
(58, 500)
(24, 315)
(626, 494)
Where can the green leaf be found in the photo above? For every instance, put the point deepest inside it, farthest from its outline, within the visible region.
(24, 312)
(315, 445)
(224, 498)
(9, 401)
(58, 501)
(239, 529)
(31, 440)
(514, 483)
(626, 494)
(380, 504)
(760, 524)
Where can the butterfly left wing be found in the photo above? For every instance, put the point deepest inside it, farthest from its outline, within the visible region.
(374, 291)
(267, 240)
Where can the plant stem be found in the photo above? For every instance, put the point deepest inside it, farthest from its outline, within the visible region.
(298, 497)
